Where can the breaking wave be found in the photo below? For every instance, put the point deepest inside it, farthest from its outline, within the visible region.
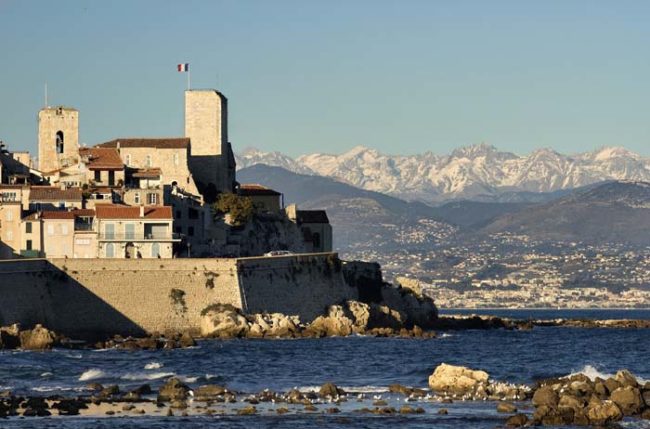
(92, 374)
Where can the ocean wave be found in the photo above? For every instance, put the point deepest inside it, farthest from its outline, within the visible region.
(46, 374)
(92, 374)
(153, 365)
(186, 379)
(348, 389)
(146, 375)
(55, 389)
(592, 372)
(445, 335)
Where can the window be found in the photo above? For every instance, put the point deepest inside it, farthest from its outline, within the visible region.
(9, 216)
(28, 228)
(178, 230)
(192, 213)
(64, 229)
(179, 214)
(148, 163)
(128, 159)
(59, 142)
(155, 250)
(129, 231)
(110, 250)
(152, 198)
(50, 229)
(190, 231)
(8, 196)
(136, 198)
(109, 231)
(28, 244)
(111, 178)
(315, 239)
(98, 176)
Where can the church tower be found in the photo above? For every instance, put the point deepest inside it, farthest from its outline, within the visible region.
(58, 137)
(206, 124)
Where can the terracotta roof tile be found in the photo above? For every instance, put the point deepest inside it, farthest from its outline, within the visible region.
(159, 143)
(113, 211)
(101, 158)
(53, 193)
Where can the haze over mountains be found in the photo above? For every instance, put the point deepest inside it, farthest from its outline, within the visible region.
(479, 172)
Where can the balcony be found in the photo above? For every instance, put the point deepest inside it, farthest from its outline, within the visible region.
(139, 237)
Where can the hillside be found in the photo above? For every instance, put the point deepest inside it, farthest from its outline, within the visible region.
(609, 212)
(361, 219)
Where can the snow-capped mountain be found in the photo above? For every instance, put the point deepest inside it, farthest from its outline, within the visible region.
(252, 156)
(472, 172)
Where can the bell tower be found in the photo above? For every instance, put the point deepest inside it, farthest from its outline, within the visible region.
(206, 124)
(58, 137)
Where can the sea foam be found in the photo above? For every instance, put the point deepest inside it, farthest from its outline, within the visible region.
(153, 365)
(92, 374)
(146, 375)
(592, 372)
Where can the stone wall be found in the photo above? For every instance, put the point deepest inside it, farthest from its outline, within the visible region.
(302, 285)
(98, 297)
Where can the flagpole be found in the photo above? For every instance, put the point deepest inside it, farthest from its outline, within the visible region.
(189, 73)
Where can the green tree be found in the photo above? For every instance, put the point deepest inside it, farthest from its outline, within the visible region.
(239, 208)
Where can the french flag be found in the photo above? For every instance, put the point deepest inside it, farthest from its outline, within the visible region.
(183, 67)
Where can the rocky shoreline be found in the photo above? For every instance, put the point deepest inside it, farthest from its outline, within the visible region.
(351, 318)
(571, 400)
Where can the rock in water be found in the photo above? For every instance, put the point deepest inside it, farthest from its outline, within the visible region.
(545, 396)
(506, 407)
(456, 379)
(518, 420)
(603, 412)
(223, 321)
(38, 338)
(628, 399)
(173, 390)
(330, 390)
(336, 323)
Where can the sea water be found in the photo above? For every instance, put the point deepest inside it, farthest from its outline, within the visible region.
(363, 365)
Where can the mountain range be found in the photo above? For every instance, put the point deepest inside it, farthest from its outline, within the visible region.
(479, 172)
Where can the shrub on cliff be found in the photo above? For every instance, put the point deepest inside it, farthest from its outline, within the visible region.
(239, 208)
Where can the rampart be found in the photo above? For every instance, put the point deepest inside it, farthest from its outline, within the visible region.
(97, 297)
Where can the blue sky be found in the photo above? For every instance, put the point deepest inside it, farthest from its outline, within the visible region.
(307, 76)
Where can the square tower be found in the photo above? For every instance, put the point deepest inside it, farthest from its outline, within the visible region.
(58, 138)
(206, 124)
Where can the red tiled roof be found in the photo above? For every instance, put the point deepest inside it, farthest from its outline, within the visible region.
(102, 158)
(60, 214)
(53, 193)
(249, 190)
(159, 143)
(112, 211)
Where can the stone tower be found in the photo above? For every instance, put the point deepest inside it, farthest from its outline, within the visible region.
(206, 124)
(58, 137)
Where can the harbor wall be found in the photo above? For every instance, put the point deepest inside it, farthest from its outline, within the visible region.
(98, 297)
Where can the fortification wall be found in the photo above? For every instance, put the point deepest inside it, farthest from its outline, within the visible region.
(302, 285)
(88, 297)
(98, 297)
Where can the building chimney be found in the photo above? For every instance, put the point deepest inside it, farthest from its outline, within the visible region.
(141, 211)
